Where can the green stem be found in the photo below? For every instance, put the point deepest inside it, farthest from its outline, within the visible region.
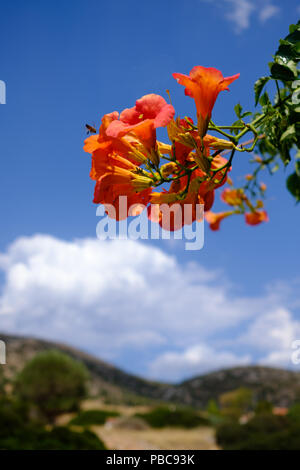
(224, 127)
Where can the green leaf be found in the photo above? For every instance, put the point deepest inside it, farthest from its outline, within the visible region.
(258, 86)
(238, 109)
(296, 97)
(289, 134)
(297, 166)
(237, 123)
(294, 27)
(285, 154)
(264, 99)
(247, 113)
(296, 94)
(294, 36)
(288, 52)
(275, 168)
(285, 72)
(293, 185)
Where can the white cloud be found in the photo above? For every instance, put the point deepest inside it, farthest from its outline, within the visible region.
(273, 334)
(268, 11)
(241, 12)
(188, 363)
(272, 331)
(121, 299)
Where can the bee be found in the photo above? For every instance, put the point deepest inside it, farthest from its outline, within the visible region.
(90, 129)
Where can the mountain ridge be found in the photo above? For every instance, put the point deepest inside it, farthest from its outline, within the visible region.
(280, 386)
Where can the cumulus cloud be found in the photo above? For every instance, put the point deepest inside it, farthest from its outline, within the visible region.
(135, 305)
(272, 331)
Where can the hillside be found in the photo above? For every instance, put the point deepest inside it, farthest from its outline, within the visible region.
(281, 387)
(106, 380)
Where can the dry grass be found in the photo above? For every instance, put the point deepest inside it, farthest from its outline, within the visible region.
(202, 438)
(117, 438)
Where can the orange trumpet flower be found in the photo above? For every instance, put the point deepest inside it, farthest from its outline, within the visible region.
(214, 219)
(256, 217)
(204, 84)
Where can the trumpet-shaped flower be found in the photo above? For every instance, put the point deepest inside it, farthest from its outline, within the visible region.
(256, 217)
(204, 84)
(150, 111)
(119, 181)
(233, 197)
(214, 219)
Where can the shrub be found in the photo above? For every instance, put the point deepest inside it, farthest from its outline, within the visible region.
(18, 433)
(294, 413)
(62, 438)
(90, 417)
(263, 407)
(236, 402)
(173, 416)
(263, 432)
(52, 383)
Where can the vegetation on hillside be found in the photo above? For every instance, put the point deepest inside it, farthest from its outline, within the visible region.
(52, 383)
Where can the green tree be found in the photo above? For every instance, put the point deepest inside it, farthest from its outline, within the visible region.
(52, 383)
(294, 413)
(2, 383)
(264, 407)
(236, 402)
(212, 407)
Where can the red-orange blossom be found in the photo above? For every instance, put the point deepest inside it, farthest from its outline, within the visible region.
(127, 157)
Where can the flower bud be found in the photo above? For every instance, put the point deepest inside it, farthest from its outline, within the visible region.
(168, 169)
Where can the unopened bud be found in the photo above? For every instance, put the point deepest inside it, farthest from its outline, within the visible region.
(263, 187)
(154, 157)
(140, 182)
(168, 169)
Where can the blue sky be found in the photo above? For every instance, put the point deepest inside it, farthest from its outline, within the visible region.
(67, 63)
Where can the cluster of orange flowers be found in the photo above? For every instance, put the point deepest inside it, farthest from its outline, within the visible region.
(128, 160)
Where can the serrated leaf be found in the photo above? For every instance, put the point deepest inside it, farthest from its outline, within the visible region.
(258, 87)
